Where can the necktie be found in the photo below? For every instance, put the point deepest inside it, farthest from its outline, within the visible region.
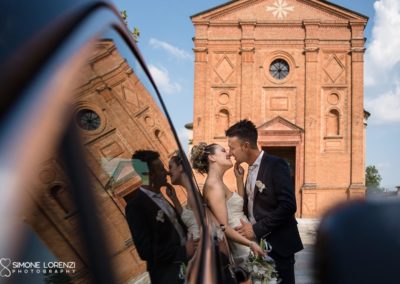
(249, 183)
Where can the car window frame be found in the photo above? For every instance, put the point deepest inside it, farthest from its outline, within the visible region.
(71, 37)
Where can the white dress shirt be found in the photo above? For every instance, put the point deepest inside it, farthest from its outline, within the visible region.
(165, 206)
(250, 185)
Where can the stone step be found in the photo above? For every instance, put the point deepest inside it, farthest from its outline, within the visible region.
(308, 229)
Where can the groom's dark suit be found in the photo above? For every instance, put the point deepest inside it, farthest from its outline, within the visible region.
(155, 238)
(274, 210)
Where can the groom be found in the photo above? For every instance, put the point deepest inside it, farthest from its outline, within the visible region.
(156, 228)
(269, 199)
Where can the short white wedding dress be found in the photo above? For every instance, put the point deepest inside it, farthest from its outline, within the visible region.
(234, 205)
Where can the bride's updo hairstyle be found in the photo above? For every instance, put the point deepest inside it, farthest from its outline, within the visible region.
(199, 156)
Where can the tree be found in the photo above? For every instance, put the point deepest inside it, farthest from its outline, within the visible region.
(372, 177)
(135, 32)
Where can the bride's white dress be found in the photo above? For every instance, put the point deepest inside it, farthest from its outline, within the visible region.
(234, 205)
(189, 220)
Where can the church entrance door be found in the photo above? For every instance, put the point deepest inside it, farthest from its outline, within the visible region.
(289, 155)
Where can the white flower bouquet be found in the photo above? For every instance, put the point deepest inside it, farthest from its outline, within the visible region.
(262, 269)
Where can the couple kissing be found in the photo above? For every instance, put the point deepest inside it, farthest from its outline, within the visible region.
(262, 207)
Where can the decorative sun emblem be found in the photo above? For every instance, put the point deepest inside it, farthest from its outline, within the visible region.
(280, 9)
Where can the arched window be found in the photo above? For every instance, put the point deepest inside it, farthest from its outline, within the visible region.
(332, 123)
(63, 198)
(222, 122)
(161, 139)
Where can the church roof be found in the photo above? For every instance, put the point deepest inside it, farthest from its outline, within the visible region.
(237, 4)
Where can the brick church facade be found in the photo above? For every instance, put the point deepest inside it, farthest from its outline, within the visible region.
(116, 115)
(295, 68)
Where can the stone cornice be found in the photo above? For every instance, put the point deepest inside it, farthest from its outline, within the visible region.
(280, 132)
(289, 143)
(334, 24)
(358, 49)
(225, 86)
(142, 111)
(279, 87)
(357, 23)
(288, 23)
(311, 49)
(335, 50)
(357, 186)
(247, 49)
(313, 187)
(311, 22)
(261, 42)
(106, 78)
(336, 86)
(309, 186)
(107, 49)
(247, 22)
(201, 22)
(200, 49)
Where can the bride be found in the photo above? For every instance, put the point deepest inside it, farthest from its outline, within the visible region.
(227, 207)
(179, 177)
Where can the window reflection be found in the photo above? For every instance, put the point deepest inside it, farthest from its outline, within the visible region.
(118, 114)
(179, 178)
(158, 231)
(63, 199)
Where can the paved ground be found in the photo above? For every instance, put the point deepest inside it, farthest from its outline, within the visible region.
(303, 266)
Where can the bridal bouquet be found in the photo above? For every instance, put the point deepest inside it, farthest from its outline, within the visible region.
(261, 269)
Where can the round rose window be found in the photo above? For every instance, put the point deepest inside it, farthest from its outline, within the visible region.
(88, 119)
(279, 69)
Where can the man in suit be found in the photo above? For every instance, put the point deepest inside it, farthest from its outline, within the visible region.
(158, 233)
(269, 198)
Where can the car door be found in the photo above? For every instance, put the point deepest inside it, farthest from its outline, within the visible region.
(72, 117)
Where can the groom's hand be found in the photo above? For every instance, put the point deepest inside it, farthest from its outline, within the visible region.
(238, 170)
(246, 230)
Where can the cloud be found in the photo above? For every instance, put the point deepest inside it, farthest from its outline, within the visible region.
(385, 108)
(163, 81)
(382, 64)
(382, 165)
(383, 53)
(183, 135)
(174, 51)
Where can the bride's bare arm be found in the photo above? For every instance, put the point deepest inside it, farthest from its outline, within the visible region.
(216, 200)
(239, 173)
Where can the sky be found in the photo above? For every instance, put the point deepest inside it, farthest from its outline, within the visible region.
(165, 41)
